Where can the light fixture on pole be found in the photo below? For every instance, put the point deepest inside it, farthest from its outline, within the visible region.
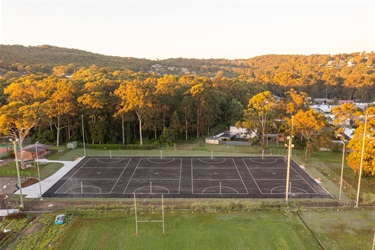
(37, 164)
(18, 170)
(83, 135)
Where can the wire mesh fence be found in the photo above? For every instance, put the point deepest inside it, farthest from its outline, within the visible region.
(335, 178)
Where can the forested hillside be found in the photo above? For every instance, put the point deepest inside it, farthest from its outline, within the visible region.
(343, 76)
(48, 93)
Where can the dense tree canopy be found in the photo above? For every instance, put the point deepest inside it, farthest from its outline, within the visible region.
(46, 90)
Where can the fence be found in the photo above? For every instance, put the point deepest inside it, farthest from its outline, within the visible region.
(237, 149)
(170, 206)
(335, 178)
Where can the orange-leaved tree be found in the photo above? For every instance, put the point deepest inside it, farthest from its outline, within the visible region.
(260, 115)
(356, 143)
(307, 123)
(16, 121)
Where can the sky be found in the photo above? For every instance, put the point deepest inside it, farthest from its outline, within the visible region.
(160, 29)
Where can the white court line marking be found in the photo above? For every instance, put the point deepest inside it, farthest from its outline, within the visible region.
(158, 168)
(131, 177)
(278, 179)
(192, 178)
(101, 167)
(71, 177)
(221, 188)
(247, 191)
(256, 183)
(217, 169)
(144, 159)
(211, 161)
(263, 162)
(101, 160)
(212, 168)
(179, 183)
(161, 161)
(154, 179)
(100, 191)
(127, 164)
(95, 179)
(243, 159)
(281, 167)
(217, 179)
(317, 184)
(304, 180)
(148, 187)
(303, 191)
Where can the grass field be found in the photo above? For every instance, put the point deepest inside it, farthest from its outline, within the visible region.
(344, 230)
(251, 230)
(258, 229)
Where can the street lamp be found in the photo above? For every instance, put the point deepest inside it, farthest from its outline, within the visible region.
(18, 170)
(83, 135)
(37, 164)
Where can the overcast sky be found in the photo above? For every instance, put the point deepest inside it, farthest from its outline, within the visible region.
(191, 28)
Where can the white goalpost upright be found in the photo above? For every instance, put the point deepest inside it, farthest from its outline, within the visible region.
(149, 221)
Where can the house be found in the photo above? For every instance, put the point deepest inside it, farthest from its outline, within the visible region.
(340, 102)
(362, 104)
(241, 133)
(29, 152)
(322, 100)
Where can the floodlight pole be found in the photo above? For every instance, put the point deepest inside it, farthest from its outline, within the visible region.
(83, 135)
(37, 164)
(361, 161)
(342, 169)
(135, 212)
(162, 210)
(290, 145)
(18, 170)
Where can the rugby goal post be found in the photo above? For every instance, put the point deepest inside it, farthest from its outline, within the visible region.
(148, 221)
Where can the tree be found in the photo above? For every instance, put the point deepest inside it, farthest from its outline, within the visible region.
(16, 121)
(355, 145)
(307, 123)
(259, 116)
(60, 103)
(295, 101)
(134, 97)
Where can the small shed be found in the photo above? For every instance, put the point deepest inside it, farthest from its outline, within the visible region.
(71, 145)
(30, 152)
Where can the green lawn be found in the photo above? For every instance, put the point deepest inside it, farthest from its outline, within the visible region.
(333, 161)
(47, 170)
(344, 230)
(250, 230)
(257, 229)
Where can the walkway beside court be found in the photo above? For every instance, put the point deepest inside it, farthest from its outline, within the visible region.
(33, 190)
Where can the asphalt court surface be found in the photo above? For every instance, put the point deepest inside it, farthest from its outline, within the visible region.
(186, 177)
